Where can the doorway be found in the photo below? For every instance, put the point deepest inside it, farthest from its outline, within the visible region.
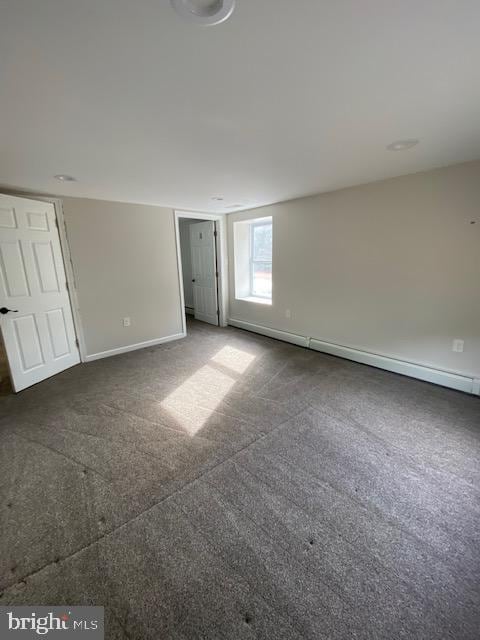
(201, 258)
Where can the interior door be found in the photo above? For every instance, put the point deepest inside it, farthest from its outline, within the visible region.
(204, 271)
(35, 314)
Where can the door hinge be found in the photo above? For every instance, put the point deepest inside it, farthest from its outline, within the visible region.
(77, 343)
(216, 274)
(56, 222)
(215, 233)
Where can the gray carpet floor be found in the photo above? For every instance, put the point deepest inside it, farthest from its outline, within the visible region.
(232, 486)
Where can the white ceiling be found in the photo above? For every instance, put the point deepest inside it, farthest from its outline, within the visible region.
(287, 98)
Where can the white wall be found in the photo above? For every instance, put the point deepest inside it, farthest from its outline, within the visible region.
(124, 260)
(391, 267)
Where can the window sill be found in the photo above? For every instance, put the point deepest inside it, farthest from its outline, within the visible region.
(267, 301)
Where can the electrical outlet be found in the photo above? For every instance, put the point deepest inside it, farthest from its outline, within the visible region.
(288, 313)
(457, 345)
(126, 322)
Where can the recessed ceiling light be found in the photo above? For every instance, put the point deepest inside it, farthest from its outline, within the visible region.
(400, 145)
(204, 12)
(217, 198)
(62, 177)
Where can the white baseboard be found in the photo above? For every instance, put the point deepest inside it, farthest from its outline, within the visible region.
(442, 378)
(133, 347)
(301, 341)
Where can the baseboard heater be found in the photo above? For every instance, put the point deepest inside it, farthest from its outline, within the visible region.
(421, 372)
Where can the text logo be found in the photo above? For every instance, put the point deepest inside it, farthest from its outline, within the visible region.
(52, 622)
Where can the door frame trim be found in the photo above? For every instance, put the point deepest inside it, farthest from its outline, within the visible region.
(67, 262)
(222, 262)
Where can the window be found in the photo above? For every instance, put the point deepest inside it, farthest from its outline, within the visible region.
(253, 260)
(261, 259)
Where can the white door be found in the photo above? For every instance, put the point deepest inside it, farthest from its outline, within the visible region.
(37, 329)
(204, 271)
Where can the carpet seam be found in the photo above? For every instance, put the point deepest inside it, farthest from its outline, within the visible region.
(379, 513)
(394, 447)
(139, 515)
(63, 455)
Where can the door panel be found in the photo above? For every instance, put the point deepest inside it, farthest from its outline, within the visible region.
(38, 333)
(45, 266)
(8, 219)
(58, 335)
(204, 271)
(13, 269)
(28, 342)
(37, 221)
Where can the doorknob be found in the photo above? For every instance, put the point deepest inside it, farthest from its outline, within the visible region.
(4, 310)
(193, 280)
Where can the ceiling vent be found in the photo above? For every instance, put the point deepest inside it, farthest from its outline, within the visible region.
(204, 12)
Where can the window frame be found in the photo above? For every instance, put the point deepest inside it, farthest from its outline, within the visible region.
(253, 261)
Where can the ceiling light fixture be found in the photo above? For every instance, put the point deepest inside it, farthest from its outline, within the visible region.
(401, 145)
(217, 198)
(62, 177)
(204, 12)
